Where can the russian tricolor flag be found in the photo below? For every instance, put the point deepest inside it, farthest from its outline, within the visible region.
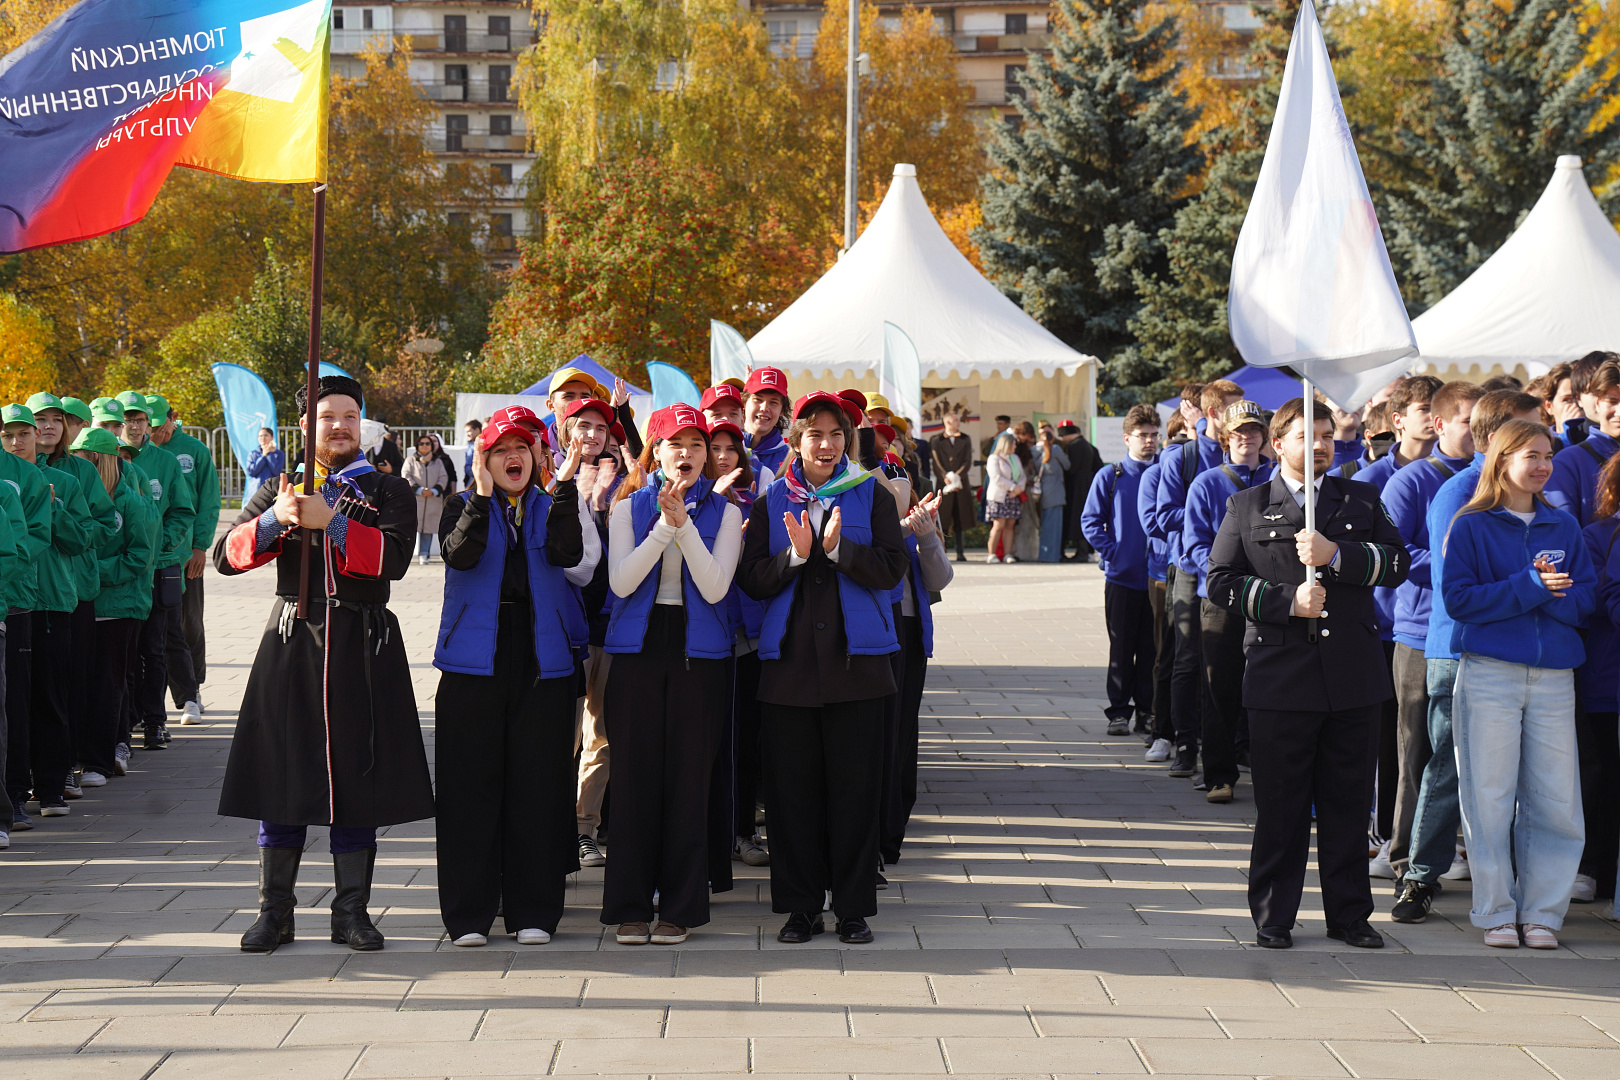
(98, 107)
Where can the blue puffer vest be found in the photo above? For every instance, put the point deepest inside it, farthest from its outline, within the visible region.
(708, 626)
(472, 602)
(868, 615)
(913, 581)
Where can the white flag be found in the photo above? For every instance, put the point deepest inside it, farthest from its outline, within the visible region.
(729, 357)
(1311, 285)
(900, 378)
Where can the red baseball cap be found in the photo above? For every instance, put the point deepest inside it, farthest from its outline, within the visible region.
(727, 426)
(667, 422)
(857, 397)
(723, 390)
(816, 397)
(617, 430)
(884, 430)
(579, 405)
(499, 426)
(767, 378)
(524, 417)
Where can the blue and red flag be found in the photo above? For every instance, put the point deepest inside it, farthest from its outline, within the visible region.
(98, 107)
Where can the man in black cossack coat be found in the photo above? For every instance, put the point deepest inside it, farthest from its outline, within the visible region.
(1315, 675)
(328, 733)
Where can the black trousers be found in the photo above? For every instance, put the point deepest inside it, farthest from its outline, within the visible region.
(900, 753)
(114, 651)
(1597, 737)
(956, 514)
(50, 738)
(1131, 654)
(504, 797)
(823, 782)
(1164, 636)
(664, 713)
(1221, 638)
(81, 694)
(745, 712)
(1187, 663)
(182, 629)
(19, 683)
(1303, 760)
(149, 675)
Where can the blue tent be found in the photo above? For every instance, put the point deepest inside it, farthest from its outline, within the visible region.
(1266, 387)
(596, 371)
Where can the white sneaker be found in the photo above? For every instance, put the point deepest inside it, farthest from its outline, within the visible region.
(533, 936)
(1539, 937)
(191, 714)
(1505, 936)
(1379, 866)
(1011, 558)
(1584, 891)
(1159, 751)
(5, 840)
(470, 941)
(121, 759)
(993, 559)
(91, 778)
(1459, 867)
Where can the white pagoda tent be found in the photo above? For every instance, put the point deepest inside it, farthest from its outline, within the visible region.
(903, 269)
(1551, 293)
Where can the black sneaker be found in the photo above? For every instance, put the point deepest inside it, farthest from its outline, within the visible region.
(163, 733)
(1119, 727)
(1186, 762)
(1417, 898)
(152, 738)
(589, 853)
(71, 788)
(52, 806)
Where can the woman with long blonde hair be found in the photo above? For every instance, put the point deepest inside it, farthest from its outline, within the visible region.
(1519, 585)
(1003, 486)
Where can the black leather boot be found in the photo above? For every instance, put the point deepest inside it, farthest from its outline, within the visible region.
(278, 873)
(351, 925)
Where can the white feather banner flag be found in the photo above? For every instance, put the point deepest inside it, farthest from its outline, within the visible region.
(1312, 287)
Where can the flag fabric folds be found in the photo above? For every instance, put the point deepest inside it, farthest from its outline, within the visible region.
(98, 107)
(1311, 285)
(729, 357)
(248, 406)
(672, 386)
(900, 374)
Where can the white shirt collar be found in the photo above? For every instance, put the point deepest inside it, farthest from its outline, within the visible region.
(1297, 486)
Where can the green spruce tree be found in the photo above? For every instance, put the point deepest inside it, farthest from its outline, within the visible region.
(1519, 86)
(1081, 190)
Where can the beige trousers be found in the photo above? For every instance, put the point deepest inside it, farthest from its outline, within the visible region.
(591, 743)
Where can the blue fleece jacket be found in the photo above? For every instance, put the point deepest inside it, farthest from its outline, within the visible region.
(1377, 473)
(1206, 507)
(1111, 524)
(1451, 497)
(1147, 498)
(1172, 499)
(1598, 680)
(1407, 495)
(1575, 471)
(1501, 608)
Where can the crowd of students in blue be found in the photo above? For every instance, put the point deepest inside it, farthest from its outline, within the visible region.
(1502, 668)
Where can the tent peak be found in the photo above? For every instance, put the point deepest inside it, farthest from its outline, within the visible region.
(1568, 161)
(911, 170)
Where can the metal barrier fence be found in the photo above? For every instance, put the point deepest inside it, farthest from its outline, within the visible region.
(232, 477)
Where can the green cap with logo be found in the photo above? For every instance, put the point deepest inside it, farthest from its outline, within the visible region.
(134, 401)
(17, 414)
(77, 408)
(45, 400)
(108, 412)
(99, 440)
(96, 403)
(157, 406)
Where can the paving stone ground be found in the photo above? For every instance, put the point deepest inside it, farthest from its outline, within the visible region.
(1062, 909)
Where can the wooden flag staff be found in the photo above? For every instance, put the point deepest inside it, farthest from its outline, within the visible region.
(312, 389)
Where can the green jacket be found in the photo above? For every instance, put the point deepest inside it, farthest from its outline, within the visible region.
(129, 556)
(58, 566)
(197, 465)
(12, 526)
(173, 496)
(97, 527)
(29, 483)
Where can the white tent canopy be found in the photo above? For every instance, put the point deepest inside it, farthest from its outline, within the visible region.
(906, 271)
(1551, 293)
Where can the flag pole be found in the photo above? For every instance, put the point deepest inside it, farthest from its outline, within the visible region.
(312, 386)
(1310, 476)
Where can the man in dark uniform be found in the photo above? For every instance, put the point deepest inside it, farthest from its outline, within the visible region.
(952, 453)
(328, 733)
(1315, 675)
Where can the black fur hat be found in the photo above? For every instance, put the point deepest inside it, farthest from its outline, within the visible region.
(329, 385)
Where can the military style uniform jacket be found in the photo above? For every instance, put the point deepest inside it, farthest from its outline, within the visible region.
(328, 732)
(1332, 663)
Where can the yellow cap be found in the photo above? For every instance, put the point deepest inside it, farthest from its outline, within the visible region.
(574, 374)
(878, 401)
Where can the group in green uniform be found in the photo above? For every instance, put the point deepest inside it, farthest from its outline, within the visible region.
(108, 509)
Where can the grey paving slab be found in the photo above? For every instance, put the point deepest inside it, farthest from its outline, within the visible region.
(1062, 908)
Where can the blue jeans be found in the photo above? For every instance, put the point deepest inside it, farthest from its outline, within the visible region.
(1519, 784)
(1434, 823)
(424, 543)
(1052, 533)
(342, 840)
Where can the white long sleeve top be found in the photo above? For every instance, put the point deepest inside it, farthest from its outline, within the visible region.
(629, 563)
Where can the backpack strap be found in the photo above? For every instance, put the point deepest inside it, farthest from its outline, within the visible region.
(1597, 455)
(1350, 468)
(1441, 467)
(1189, 463)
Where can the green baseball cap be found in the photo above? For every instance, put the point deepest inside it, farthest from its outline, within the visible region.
(108, 413)
(99, 440)
(17, 414)
(134, 401)
(76, 408)
(96, 403)
(158, 407)
(45, 400)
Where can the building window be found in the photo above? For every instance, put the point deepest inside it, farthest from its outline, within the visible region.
(500, 125)
(337, 24)
(503, 173)
(500, 224)
(455, 33)
(460, 220)
(1012, 71)
(500, 82)
(366, 20)
(500, 33)
(1017, 24)
(455, 132)
(455, 82)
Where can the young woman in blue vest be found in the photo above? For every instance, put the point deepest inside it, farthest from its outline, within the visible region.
(928, 571)
(824, 552)
(509, 641)
(673, 542)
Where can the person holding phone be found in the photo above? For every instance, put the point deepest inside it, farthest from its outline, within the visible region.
(1518, 584)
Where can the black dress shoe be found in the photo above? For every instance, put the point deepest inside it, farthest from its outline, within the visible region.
(1273, 937)
(854, 932)
(1358, 935)
(800, 928)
